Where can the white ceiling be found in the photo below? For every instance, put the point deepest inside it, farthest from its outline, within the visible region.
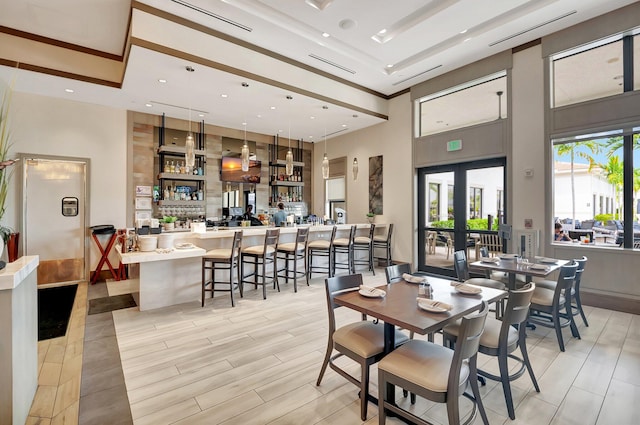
(423, 39)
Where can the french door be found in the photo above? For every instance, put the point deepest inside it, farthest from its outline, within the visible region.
(457, 203)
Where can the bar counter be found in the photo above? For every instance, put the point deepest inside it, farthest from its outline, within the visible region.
(169, 278)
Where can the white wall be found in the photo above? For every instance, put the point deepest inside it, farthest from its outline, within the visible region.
(50, 126)
(392, 140)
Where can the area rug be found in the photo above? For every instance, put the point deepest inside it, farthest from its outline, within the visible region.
(116, 302)
(54, 310)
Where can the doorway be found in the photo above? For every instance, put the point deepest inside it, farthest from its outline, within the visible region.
(457, 205)
(54, 216)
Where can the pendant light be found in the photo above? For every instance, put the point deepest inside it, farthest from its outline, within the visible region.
(355, 168)
(244, 154)
(289, 158)
(325, 160)
(190, 146)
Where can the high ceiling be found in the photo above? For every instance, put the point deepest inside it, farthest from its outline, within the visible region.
(348, 55)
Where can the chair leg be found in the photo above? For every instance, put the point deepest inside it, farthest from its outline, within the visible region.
(240, 284)
(506, 386)
(453, 408)
(580, 310)
(556, 325)
(525, 358)
(325, 362)
(295, 271)
(473, 381)
(264, 278)
(364, 391)
(231, 283)
(204, 282)
(382, 396)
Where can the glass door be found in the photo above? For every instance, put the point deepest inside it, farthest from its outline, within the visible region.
(457, 205)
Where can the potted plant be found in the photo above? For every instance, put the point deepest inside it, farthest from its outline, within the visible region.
(5, 174)
(370, 217)
(169, 222)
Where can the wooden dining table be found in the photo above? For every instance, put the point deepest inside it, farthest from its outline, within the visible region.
(539, 267)
(399, 308)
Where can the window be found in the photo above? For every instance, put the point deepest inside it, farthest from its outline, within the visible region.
(499, 204)
(434, 201)
(450, 202)
(475, 202)
(595, 165)
(465, 105)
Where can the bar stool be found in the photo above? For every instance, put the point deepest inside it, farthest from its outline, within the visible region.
(294, 251)
(364, 244)
(344, 246)
(321, 248)
(222, 259)
(384, 242)
(260, 256)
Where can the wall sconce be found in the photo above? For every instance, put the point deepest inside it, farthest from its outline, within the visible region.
(355, 168)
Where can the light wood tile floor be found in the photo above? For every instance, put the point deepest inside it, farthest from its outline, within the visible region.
(257, 363)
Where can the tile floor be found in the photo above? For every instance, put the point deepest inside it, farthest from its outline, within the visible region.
(257, 364)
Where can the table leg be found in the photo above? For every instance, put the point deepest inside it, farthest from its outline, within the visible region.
(389, 345)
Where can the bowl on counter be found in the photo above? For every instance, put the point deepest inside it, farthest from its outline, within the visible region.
(147, 243)
(165, 240)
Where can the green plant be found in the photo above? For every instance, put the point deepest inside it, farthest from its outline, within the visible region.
(5, 174)
(169, 219)
(603, 217)
(370, 214)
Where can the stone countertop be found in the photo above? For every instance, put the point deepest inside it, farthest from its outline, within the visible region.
(149, 256)
(14, 273)
(261, 230)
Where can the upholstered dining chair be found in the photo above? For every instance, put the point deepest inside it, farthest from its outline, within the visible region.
(435, 372)
(361, 341)
(461, 267)
(551, 308)
(576, 303)
(501, 338)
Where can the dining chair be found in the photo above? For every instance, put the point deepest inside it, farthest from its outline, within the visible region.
(576, 302)
(461, 267)
(364, 244)
(361, 341)
(222, 259)
(501, 338)
(292, 253)
(547, 305)
(344, 247)
(394, 273)
(321, 248)
(384, 242)
(435, 372)
(260, 256)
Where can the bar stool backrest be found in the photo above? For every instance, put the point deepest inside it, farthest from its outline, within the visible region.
(302, 236)
(236, 244)
(271, 241)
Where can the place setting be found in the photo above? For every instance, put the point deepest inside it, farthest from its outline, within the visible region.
(371, 292)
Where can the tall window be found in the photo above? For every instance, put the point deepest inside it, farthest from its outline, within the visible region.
(468, 104)
(500, 204)
(450, 202)
(434, 201)
(475, 202)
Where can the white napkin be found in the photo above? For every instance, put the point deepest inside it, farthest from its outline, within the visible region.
(429, 304)
(539, 267)
(490, 259)
(414, 279)
(465, 288)
(546, 259)
(370, 291)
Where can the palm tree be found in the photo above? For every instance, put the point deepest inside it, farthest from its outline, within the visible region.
(572, 150)
(614, 171)
(615, 144)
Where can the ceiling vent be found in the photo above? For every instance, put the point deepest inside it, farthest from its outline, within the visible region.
(417, 75)
(533, 28)
(328, 62)
(213, 15)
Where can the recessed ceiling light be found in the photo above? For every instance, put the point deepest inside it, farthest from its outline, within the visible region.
(326, 35)
(463, 31)
(310, 137)
(244, 123)
(344, 125)
(280, 131)
(201, 115)
(162, 80)
(390, 65)
(312, 117)
(148, 105)
(69, 90)
(259, 116)
(224, 95)
(272, 107)
(382, 31)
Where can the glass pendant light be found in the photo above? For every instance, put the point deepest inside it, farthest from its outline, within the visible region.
(190, 146)
(289, 158)
(245, 151)
(325, 160)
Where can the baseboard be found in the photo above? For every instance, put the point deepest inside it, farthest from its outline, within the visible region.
(610, 302)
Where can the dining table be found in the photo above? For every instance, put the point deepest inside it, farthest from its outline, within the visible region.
(399, 308)
(512, 265)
